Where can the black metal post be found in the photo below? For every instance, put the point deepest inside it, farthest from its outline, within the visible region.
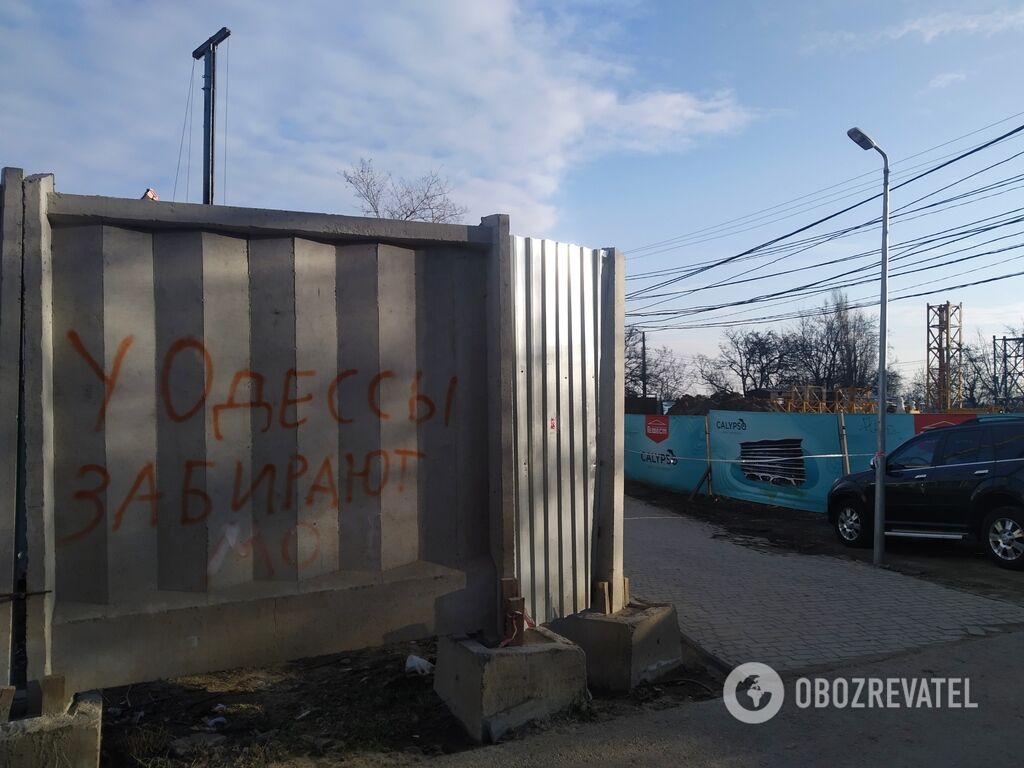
(643, 362)
(208, 52)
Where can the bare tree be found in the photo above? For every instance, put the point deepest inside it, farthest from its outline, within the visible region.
(837, 347)
(914, 392)
(978, 370)
(427, 198)
(711, 372)
(757, 359)
(668, 376)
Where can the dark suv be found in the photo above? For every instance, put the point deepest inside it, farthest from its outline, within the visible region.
(962, 482)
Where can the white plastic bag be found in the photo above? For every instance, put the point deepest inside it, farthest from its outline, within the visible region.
(418, 666)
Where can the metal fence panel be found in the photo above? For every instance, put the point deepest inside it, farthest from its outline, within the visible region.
(557, 317)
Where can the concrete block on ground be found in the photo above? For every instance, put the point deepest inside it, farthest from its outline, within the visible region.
(636, 645)
(70, 739)
(494, 690)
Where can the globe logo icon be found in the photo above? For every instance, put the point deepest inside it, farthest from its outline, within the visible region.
(753, 693)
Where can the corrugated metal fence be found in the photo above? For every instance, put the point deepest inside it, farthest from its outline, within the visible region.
(557, 308)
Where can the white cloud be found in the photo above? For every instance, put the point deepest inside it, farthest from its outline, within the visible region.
(944, 80)
(925, 28)
(928, 28)
(504, 102)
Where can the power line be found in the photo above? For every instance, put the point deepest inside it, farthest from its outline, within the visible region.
(741, 277)
(184, 122)
(834, 215)
(815, 288)
(832, 310)
(635, 253)
(806, 227)
(918, 246)
(930, 209)
(810, 289)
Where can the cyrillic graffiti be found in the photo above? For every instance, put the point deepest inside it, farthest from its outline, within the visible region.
(306, 399)
(421, 407)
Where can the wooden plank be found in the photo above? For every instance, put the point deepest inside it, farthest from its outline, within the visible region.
(6, 700)
(55, 698)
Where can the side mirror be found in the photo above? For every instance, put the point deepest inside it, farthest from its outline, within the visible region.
(874, 462)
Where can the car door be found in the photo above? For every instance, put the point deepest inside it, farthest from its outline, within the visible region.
(906, 471)
(965, 460)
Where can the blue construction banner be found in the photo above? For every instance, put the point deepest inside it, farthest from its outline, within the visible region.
(667, 451)
(786, 459)
(862, 431)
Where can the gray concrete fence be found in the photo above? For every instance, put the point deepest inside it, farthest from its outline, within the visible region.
(233, 436)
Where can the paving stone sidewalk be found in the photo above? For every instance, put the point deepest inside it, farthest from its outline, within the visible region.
(788, 610)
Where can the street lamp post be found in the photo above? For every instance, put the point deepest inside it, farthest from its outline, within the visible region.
(864, 141)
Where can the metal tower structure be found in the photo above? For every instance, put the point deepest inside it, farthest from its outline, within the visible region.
(944, 385)
(1008, 368)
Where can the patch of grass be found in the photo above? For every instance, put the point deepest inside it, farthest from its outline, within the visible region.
(147, 745)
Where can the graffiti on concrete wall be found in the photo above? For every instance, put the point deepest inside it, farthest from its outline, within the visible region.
(331, 480)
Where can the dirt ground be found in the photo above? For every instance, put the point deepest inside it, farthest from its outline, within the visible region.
(352, 709)
(361, 709)
(953, 564)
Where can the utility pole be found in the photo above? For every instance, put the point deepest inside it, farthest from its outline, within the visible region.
(208, 52)
(865, 142)
(643, 362)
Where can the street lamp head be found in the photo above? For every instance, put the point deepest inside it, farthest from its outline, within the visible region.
(860, 138)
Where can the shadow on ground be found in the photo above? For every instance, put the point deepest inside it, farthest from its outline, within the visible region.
(360, 708)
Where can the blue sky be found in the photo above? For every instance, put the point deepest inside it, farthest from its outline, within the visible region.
(602, 123)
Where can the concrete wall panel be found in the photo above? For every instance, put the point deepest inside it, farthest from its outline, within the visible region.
(232, 548)
(274, 443)
(130, 419)
(466, 412)
(37, 415)
(436, 346)
(182, 414)
(11, 219)
(399, 485)
(314, 541)
(102, 651)
(82, 473)
(359, 428)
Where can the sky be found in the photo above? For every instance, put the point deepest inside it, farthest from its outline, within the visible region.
(714, 126)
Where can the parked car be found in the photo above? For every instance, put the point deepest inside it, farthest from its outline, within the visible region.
(964, 482)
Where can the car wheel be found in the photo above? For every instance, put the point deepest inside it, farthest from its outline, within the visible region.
(1003, 534)
(851, 525)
